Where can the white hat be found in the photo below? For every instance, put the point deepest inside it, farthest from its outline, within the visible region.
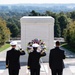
(35, 45)
(13, 43)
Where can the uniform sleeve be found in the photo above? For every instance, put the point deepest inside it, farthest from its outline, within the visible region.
(63, 55)
(22, 52)
(7, 60)
(29, 60)
(50, 57)
(43, 53)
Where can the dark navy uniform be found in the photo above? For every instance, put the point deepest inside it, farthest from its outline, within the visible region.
(12, 61)
(33, 61)
(56, 61)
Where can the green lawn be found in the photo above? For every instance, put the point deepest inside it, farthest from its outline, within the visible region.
(4, 47)
(65, 45)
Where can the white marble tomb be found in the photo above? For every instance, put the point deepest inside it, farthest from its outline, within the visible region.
(41, 27)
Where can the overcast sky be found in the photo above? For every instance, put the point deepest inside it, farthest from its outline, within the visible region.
(35, 1)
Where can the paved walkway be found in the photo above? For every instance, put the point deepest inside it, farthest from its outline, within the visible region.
(3, 54)
(68, 54)
(45, 70)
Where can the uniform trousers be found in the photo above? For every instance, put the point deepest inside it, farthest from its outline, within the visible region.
(56, 71)
(34, 71)
(13, 71)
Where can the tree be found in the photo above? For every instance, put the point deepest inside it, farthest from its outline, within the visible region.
(13, 25)
(4, 32)
(72, 15)
(34, 13)
(13, 29)
(49, 13)
(57, 31)
(63, 21)
(69, 34)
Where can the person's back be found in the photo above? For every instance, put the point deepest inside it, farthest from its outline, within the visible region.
(34, 57)
(56, 60)
(33, 60)
(12, 59)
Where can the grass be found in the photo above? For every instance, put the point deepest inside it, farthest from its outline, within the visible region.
(65, 45)
(4, 47)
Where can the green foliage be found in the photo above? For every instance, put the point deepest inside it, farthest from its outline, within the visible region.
(57, 31)
(14, 27)
(34, 13)
(69, 34)
(49, 13)
(4, 32)
(63, 21)
(72, 15)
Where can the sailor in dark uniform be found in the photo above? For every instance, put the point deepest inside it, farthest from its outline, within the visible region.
(33, 60)
(12, 59)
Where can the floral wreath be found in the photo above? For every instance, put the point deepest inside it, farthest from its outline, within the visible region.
(39, 42)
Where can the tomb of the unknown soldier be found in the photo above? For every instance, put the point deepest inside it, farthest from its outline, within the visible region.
(40, 27)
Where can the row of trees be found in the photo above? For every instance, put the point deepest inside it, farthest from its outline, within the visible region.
(13, 21)
(63, 27)
(69, 31)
